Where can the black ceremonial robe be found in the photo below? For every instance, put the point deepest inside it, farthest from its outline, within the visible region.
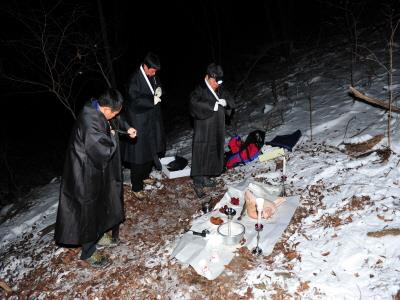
(139, 109)
(90, 194)
(209, 131)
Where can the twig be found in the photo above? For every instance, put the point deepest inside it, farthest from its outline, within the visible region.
(254, 64)
(358, 133)
(347, 126)
(392, 169)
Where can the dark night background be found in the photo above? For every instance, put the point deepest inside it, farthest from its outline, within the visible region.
(187, 35)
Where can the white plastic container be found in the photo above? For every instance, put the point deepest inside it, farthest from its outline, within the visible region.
(237, 231)
(173, 174)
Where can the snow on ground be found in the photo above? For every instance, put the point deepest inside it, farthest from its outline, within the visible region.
(345, 241)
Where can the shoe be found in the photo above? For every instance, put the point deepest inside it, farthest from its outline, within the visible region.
(149, 181)
(104, 241)
(139, 195)
(115, 242)
(209, 183)
(107, 241)
(199, 191)
(98, 260)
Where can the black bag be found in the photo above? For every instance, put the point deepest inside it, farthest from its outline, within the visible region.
(255, 137)
(178, 164)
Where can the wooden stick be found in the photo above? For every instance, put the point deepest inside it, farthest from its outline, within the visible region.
(374, 101)
(5, 286)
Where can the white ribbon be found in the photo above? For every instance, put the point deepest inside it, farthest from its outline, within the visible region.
(215, 95)
(147, 80)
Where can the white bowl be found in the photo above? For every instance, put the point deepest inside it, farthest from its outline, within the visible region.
(236, 234)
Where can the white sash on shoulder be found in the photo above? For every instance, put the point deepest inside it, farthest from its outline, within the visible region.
(215, 95)
(147, 80)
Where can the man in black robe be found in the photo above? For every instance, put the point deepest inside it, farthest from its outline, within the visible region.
(143, 108)
(209, 103)
(91, 189)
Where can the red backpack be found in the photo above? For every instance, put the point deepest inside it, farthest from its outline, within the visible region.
(235, 143)
(243, 152)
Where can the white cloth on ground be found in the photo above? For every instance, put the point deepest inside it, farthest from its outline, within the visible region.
(208, 256)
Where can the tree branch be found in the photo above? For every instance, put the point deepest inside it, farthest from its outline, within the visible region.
(374, 101)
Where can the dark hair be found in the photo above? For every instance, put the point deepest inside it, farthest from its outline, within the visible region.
(111, 98)
(215, 71)
(152, 61)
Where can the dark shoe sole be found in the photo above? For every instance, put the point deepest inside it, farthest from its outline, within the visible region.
(199, 192)
(100, 266)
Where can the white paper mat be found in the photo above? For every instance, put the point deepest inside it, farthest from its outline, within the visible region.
(208, 255)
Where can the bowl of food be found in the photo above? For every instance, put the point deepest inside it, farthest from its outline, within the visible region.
(231, 232)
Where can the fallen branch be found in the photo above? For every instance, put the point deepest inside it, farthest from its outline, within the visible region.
(5, 286)
(363, 147)
(47, 229)
(374, 101)
(381, 233)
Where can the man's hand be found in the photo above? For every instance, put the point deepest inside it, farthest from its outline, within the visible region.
(132, 132)
(156, 100)
(158, 92)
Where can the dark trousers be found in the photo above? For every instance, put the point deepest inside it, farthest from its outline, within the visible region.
(115, 232)
(202, 181)
(88, 249)
(139, 172)
(198, 181)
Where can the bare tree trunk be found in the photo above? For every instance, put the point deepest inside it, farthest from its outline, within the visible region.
(219, 39)
(209, 31)
(106, 45)
(13, 189)
(352, 11)
(390, 79)
(393, 30)
(310, 101)
(270, 24)
(284, 8)
(309, 93)
(262, 54)
(349, 26)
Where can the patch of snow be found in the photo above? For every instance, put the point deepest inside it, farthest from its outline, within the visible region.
(267, 108)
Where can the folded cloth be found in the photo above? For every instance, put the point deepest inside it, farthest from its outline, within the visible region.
(269, 152)
(287, 141)
(178, 164)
